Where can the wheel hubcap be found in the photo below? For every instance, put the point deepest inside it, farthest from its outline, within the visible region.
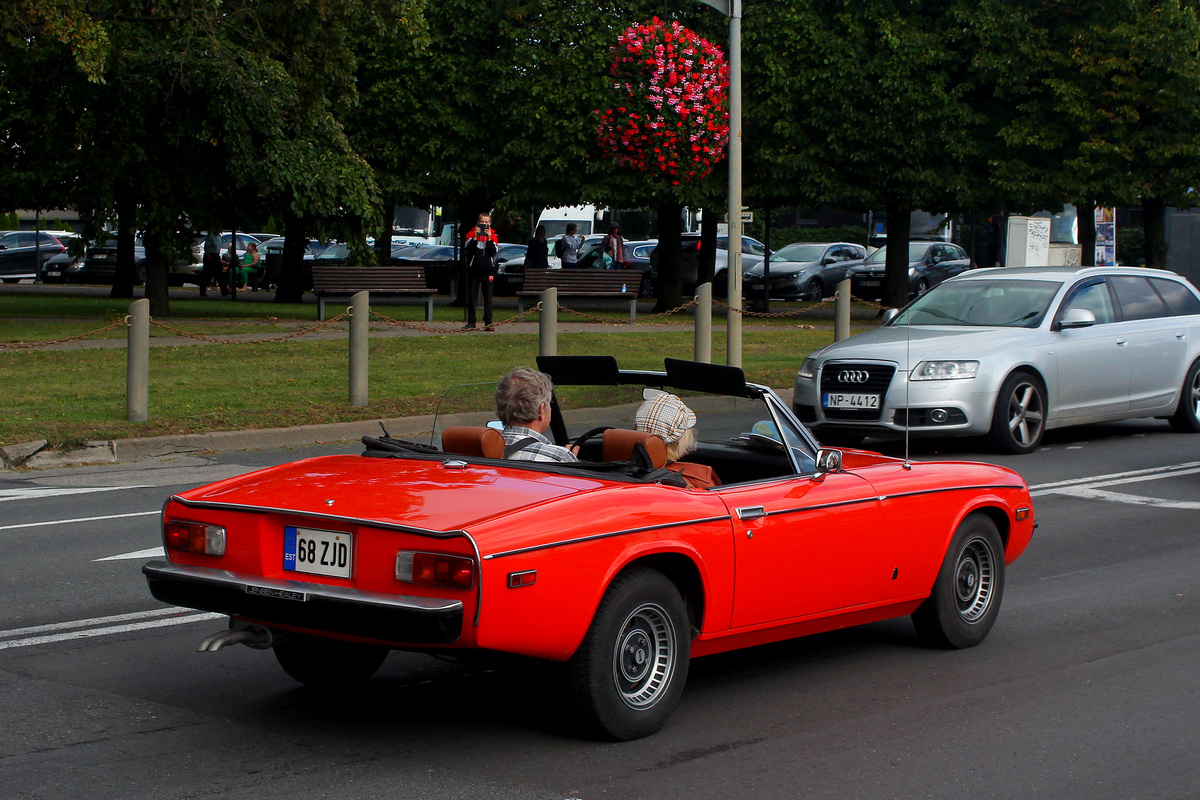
(644, 658)
(974, 580)
(1025, 417)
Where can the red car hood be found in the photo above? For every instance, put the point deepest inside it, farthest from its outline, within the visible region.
(415, 493)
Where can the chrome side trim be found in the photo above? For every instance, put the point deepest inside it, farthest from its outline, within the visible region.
(609, 535)
(297, 590)
(883, 497)
(391, 526)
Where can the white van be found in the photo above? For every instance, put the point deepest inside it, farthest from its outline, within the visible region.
(557, 219)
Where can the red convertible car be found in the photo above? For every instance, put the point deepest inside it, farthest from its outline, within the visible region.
(611, 566)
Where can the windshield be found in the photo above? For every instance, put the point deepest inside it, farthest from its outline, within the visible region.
(798, 252)
(995, 303)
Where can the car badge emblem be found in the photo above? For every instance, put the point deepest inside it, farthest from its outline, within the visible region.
(853, 376)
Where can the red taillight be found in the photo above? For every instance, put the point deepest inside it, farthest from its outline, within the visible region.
(195, 537)
(435, 569)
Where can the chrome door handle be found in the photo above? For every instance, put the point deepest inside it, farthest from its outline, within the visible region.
(751, 512)
(1122, 342)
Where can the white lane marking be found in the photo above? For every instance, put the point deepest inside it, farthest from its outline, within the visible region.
(1164, 472)
(149, 552)
(112, 629)
(77, 519)
(37, 492)
(1088, 488)
(1130, 499)
(85, 623)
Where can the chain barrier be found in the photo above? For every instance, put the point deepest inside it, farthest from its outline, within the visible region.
(36, 345)
(219, 340)
(425, 327)
(639, 321)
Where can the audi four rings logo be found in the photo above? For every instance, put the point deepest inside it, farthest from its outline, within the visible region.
(853, 376)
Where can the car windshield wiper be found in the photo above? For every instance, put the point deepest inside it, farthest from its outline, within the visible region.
(934, 312)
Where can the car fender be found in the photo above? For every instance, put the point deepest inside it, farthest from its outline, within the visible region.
(561, 587)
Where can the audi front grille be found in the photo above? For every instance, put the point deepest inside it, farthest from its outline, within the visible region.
(854, 377)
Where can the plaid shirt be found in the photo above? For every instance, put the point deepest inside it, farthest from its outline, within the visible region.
(540, 449)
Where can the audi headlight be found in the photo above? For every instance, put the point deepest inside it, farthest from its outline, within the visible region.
(944, 370)
(808, 369)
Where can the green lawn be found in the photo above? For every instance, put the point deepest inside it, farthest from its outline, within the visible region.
(70, 396)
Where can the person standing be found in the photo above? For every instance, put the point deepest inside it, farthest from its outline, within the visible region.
(537, 252)
(210, 271)
(571, 242)
(614, 247)
(480, 256)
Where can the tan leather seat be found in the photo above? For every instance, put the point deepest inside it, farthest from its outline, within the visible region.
(466, 441)
(618, 445)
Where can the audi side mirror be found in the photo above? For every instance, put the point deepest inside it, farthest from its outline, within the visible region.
(1077, 318)
(890, 314)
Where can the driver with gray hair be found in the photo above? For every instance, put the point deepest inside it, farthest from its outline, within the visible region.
(523, 399)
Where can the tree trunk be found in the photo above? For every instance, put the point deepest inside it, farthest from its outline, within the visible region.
(670, 281)
(159, 241)
(1154, 223)
(291, 284)
(895, 281)
(383, 241)
(127, 221)
(1085, 218)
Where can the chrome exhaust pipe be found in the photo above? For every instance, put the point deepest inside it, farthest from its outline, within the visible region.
(255, 636)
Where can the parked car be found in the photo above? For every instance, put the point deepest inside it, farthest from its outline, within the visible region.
(22, 253)
(805, 270)
(611, 567)
(100, 264)
(753, 252)
(67, 266)
(929, 263)
(1012, 352)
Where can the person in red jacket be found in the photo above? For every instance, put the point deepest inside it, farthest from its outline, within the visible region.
(479, 253)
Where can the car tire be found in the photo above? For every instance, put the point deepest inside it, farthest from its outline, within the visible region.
(139, 274)
(814, 292)
(327, 663)
(626, 678)
(1186, 418)
(966, 596)
(1019, 418)
(721, 284)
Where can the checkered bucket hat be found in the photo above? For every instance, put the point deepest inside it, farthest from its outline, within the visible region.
(666, 415)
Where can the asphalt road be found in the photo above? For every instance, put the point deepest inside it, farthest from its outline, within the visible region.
(1088, 686)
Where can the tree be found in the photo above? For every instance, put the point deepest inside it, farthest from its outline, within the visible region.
(862, 105)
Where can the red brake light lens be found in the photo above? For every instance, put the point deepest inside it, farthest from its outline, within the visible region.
(195, 537)
(435, 569)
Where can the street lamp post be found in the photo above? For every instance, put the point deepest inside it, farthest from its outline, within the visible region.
(733, 344)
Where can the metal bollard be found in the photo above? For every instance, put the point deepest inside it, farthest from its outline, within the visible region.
(841, 312)
(137, 366)
(704, 323)
(360, 315)
(548, 323)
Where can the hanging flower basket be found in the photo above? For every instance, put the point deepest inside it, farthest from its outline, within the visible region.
(673, 95)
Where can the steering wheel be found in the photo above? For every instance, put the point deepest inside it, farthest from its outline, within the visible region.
(588, 435)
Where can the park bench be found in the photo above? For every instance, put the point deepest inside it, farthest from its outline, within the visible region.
(617, 284)
(339, 280)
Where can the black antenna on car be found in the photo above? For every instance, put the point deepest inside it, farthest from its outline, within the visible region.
(907, 385)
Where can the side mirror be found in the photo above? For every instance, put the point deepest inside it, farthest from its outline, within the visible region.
(828, 461)
(890, 315)
(1077, 318)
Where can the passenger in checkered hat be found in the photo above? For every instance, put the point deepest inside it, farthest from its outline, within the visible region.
(668, 416)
